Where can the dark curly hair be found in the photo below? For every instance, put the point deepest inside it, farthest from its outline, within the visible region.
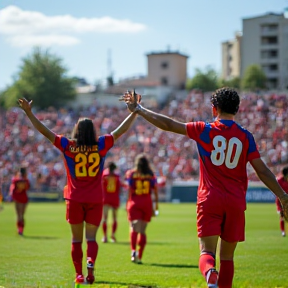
(226, 99)
(112, 166)
(84, 133)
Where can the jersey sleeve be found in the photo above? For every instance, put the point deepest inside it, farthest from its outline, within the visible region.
(253, 152)
(60, 142)
(194, 129)
(105, 143)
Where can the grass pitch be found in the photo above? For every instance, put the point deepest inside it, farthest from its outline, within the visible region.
(41, 258)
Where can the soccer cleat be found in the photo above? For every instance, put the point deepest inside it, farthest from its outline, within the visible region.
(90, 268)
(212, 278)
(283, 234)
(104, 239)
(134, 257)
(79, 279)
(113, 239)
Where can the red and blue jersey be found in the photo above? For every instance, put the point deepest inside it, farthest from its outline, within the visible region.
(141, 185)
(284, 185)
(224, 149)
(111, 188)
(84, 168)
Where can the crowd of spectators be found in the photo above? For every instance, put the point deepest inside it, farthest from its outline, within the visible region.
(173, 156)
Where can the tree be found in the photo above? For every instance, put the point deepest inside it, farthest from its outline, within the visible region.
(205, 81)
(254, 78)
(42, 78)
(233, 83)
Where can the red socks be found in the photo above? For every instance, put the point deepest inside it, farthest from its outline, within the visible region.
(77, 255)
(226, 273)
(92, 250)
(282, 225)
(133, 240)
(20, 227)
(104, 227)
(114, 227)
(142, 243)
(206, 262)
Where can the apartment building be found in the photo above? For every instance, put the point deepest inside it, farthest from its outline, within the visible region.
(264, 42)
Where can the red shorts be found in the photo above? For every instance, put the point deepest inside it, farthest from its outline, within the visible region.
(140, 211)
(220, 216)
(20, 197)
(77, 212)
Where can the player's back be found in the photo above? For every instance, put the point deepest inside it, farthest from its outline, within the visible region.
(224, 149)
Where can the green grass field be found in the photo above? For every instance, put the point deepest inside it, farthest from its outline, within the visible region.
(42, 257)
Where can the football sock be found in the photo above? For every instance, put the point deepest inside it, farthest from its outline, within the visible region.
(142, 243)
(282, 227)
(133, 240)
(206, 262)
(92, 249)
(114, 227)
(226, 273)
(104, 227)
(77, 255)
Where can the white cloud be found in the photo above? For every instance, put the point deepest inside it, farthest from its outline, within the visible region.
(26, 28)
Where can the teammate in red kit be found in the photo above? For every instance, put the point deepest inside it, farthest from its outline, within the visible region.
(224, 149)
(283, 182)
(142, 182)
(18, 190)
(111, 198)
(84, 156)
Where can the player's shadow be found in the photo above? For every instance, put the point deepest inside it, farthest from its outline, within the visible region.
(150, 243)
(40, 237)
(167, 265)
(125, 284)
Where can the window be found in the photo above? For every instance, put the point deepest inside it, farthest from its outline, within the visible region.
(164, 81)
(164, 65)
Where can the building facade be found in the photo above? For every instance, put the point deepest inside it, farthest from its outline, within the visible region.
(168, 68)
(265, 42)
(231, 57)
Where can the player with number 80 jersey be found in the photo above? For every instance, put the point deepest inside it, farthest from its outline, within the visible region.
(224, 149)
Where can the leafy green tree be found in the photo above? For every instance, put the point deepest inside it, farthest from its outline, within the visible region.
(43, 79)
(203, 80)
(233, 83)
(254, 78)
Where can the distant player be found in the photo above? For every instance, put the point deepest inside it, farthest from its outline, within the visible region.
(283, 182)
(84, 156)
(18, 190)
(224, 149)
(142, 182)
(111, 198)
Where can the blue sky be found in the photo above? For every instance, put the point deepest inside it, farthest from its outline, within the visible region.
(82, 32)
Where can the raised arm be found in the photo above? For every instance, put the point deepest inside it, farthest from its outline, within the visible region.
(159, 120)
(26, 106)
(124, 126)
(269, 179)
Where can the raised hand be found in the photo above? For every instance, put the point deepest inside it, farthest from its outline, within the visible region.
(132, 99)
(25, 104)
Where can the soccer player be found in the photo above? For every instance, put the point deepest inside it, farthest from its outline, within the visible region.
(142, 182)
(18, 190)
(111, 198)
(224, 149)
(84, 156)
(283, 182)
